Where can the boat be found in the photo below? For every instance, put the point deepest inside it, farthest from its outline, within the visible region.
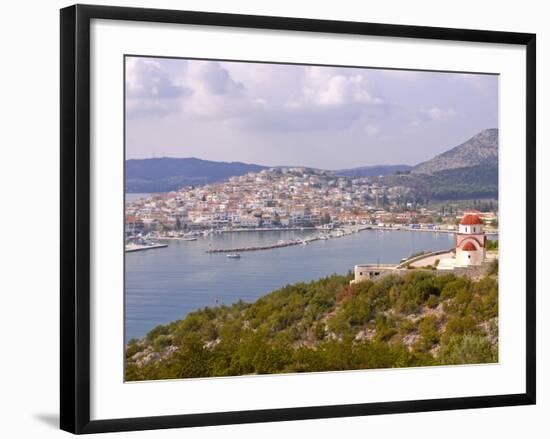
(233, 255)
(191, 238)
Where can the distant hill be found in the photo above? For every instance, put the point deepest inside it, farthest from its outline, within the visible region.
(168, 174)
(373, 171)
(469, 170)
(482, 149)
(465, 183)
(471, 182)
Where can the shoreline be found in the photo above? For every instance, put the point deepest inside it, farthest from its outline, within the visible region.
(219, 232)
(324, 235)
(346, 230)
(137, 329)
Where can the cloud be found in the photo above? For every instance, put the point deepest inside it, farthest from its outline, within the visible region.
(372, 130)
(432, 115)
(324, 87)
(276, 98)
(484, 84)
(318, 116)
(437, 114)
(212, 79)
(151, 89)
(203, 89)
(320, 98)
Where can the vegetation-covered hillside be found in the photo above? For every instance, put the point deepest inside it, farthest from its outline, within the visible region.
(467, 183)
(327, 325)
(372, 171)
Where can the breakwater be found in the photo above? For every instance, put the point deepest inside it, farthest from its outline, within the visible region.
(141, 247)
(264, 247)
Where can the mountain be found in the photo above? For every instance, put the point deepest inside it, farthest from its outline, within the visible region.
(168, 174)
(482, 149)
(469, 170)
(373, 171)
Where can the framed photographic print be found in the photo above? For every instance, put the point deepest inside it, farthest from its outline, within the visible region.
(268, 218)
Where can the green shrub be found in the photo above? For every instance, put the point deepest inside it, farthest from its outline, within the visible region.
(429, 334)
(459, 326)
(319, 331)
(467, 349)
(493, 268)
(161, 342)
(284, 331)
(432, 301)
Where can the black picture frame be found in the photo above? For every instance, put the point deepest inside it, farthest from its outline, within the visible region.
(75, 217)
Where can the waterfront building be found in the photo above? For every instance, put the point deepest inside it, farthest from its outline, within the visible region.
(468, 257)
(470, 241)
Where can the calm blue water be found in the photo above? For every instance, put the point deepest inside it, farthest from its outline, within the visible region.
(163, 285)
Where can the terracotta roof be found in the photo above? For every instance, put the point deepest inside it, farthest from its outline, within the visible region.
(469, 247)
(468, 220)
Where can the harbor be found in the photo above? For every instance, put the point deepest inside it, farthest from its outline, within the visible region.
(164, 285)
(325, 234)
(334, 233)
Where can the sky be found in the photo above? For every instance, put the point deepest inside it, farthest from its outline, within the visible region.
(299, 115)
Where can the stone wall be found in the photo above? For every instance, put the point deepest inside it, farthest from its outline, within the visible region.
(423, 256)
(474, 272)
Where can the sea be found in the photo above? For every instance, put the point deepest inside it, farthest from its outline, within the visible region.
(165, 284)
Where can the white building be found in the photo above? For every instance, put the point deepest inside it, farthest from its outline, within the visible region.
(470, 242)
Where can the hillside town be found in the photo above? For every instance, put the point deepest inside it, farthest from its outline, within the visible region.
(282, 198)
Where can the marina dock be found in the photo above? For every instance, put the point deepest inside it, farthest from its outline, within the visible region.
(264, 247)
(141, 247)
(344, 231)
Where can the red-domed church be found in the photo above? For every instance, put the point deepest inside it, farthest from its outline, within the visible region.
(468, 258)
(470, 241)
